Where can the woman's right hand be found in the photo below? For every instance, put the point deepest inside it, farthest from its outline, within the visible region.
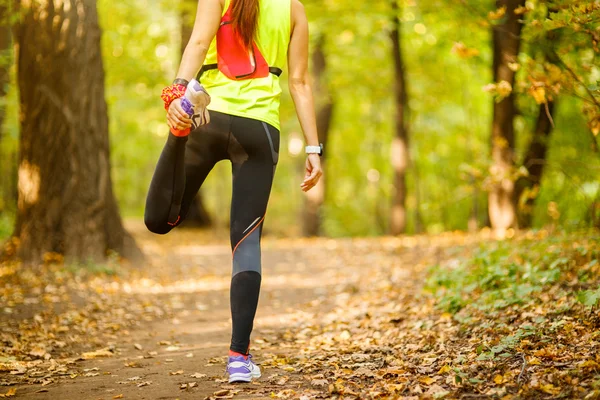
(177, 118)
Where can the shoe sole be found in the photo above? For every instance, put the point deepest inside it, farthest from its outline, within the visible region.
(240, 377)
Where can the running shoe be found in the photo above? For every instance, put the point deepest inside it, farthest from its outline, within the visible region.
(242, 369)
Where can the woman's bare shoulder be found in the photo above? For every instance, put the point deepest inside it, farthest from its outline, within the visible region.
(298, 12)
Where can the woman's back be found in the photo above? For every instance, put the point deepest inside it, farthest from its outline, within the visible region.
(254, 98)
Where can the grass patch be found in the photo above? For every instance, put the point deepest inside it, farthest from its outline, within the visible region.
(517, 272)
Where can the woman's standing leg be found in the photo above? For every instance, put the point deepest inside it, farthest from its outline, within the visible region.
(253, 150)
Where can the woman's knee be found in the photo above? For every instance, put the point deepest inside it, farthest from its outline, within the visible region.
(157, 225)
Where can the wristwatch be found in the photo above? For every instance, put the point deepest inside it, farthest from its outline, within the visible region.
(315, 149)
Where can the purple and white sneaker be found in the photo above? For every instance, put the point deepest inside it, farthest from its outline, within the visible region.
(241, 369)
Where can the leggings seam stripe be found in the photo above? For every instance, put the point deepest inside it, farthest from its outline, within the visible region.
(249, 233)
(274, 154)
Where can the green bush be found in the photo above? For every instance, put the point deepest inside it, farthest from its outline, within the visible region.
(501, 274)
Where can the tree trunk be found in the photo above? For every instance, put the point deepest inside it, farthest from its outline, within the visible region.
(198, 215)
(507, 41)
(400, 143)
(65, 202)
(311, 221)
(7, 166)
(535, 159)
(5, 57)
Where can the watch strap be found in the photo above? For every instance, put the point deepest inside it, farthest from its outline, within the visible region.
(313, 149)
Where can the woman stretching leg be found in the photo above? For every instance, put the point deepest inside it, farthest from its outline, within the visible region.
(243, 128)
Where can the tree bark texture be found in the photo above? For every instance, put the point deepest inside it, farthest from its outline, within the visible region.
(400, 157)
(314, 199)
(7, 164)
(65, 201)
(535, 159)
(506, 41)
(198, 215)
(5, 57)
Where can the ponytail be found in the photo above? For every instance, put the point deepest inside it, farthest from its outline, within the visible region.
(245, 19)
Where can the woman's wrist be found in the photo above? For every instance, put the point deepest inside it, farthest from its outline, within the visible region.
(181, 81)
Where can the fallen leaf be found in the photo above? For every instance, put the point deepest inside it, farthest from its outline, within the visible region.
(550, 389)
(98, 353)
(198, 375)
(445, 369)
(138, 346)
(19, 371)
(11, 392)
(133, 364)
(427, 380)
(176, 372)
(119, 396)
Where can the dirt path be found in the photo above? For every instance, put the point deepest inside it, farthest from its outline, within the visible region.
(171, 319)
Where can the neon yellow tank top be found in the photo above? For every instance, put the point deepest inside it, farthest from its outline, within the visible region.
(254, 98)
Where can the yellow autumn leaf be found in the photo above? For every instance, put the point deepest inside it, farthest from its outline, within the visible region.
(427, 380)
(504, 89)
(589, 364)
(534, 361)
(514, 66)
(11, 392)
(444, 369)
(499, 13)
(550, 389)
(498, 379)
(463, 51)
(595, 126)
(538, 93)
(98, 353)
(521, 10)
(490, 88)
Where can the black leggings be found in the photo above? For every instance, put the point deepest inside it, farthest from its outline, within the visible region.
(252, 146)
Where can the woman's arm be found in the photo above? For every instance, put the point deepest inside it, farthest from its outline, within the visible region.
(301, 91)
(208, 19)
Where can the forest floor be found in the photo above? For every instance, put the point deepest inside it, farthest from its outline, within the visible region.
(449, 316)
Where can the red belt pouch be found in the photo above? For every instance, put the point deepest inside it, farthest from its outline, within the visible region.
(234, 60)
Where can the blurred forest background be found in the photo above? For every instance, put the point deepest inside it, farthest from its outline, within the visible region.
(437, 115)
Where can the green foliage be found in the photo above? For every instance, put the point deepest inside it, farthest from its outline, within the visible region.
(589, 298)
(506, 345)
(501, 274)
(110, 267)
(6, 225)
(447, 52)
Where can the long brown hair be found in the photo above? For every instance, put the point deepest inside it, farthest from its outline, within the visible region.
(245, 19)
